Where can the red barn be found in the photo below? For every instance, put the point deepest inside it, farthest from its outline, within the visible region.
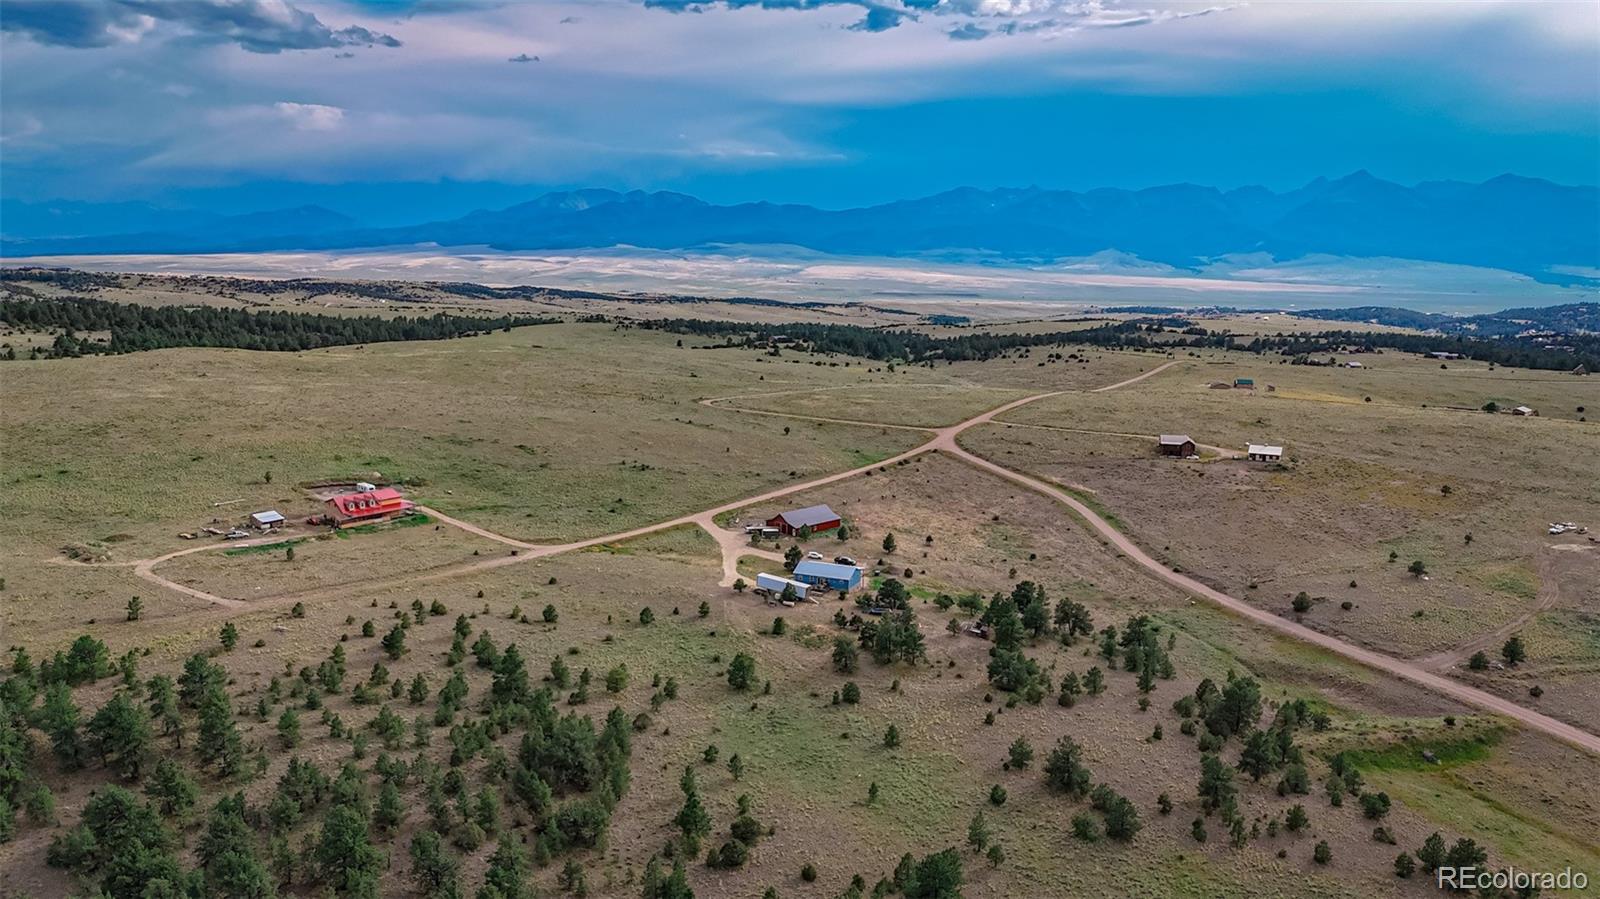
(369, 505)
(817, 518)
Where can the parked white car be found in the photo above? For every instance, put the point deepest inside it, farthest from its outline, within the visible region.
(814, 555)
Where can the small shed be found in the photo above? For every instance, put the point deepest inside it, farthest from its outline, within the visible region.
(828, 574)
(1175, 445)
(817, 518)
(267, 519)
(1353, 364)
(1246, 383)
(1524, 410)
(1264, 452)
(775, 585)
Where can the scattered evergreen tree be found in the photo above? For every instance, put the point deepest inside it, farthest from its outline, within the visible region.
(120, 734)
(1514, 652)
(742, 672)
(229, 862)
(1064, 770)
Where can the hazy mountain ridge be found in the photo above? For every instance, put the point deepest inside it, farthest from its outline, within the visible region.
(1570, 318)
(1510, 222)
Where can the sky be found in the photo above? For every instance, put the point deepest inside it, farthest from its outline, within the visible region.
(396, 111)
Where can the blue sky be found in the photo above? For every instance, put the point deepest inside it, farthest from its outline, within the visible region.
(394, 111)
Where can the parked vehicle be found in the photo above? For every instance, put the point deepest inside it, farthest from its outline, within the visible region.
(814, 555)
(844, 560)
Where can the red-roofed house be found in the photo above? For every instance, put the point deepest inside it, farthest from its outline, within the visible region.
(369, 505)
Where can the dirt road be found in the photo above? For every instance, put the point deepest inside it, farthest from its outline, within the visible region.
(1387, 664)
(474, 529)
(733, 545)
(945, 440)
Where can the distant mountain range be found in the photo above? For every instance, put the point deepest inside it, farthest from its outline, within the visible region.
(1527, 225)
(1569, 318)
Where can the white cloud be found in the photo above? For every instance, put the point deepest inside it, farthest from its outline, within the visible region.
(310, 116)
(627, 94)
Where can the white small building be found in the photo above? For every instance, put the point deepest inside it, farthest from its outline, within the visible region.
(1353, 364)
(775, 585)
(268, 519)
(1524, 410)
(1262, 452)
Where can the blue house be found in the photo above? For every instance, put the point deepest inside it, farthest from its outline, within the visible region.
(827, 574)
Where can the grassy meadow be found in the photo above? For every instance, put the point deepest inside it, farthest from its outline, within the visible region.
(569, 431)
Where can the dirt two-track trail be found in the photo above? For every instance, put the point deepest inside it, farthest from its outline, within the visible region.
(943, 440)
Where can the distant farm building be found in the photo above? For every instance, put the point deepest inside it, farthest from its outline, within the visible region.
(1524, 410)
(1175, 445)
(368, 505)
(775, 585)
(1353, 364)
(1440, 354)
(1261, 452)
(268, 519)
(828, 574)
(817, 518)
(1246, 383)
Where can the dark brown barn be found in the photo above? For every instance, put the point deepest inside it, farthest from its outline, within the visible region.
(1175, 445)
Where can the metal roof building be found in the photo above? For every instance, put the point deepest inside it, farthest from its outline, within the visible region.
(817, 518)
(837, 577)
(1176, 445)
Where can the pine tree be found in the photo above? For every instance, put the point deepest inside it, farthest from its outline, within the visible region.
(289, 728)
(171, 788)
(59, 719)
(229, 864)
(120, 733)
(1064, 770)
(389, 812)
(219, 743)
(742, 671)
(693, 821)
(432, 869)
(394, 642)
(344, 853)
(507, 875)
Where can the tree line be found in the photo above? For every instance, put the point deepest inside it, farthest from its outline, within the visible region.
(890, 345)
(134, 328)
